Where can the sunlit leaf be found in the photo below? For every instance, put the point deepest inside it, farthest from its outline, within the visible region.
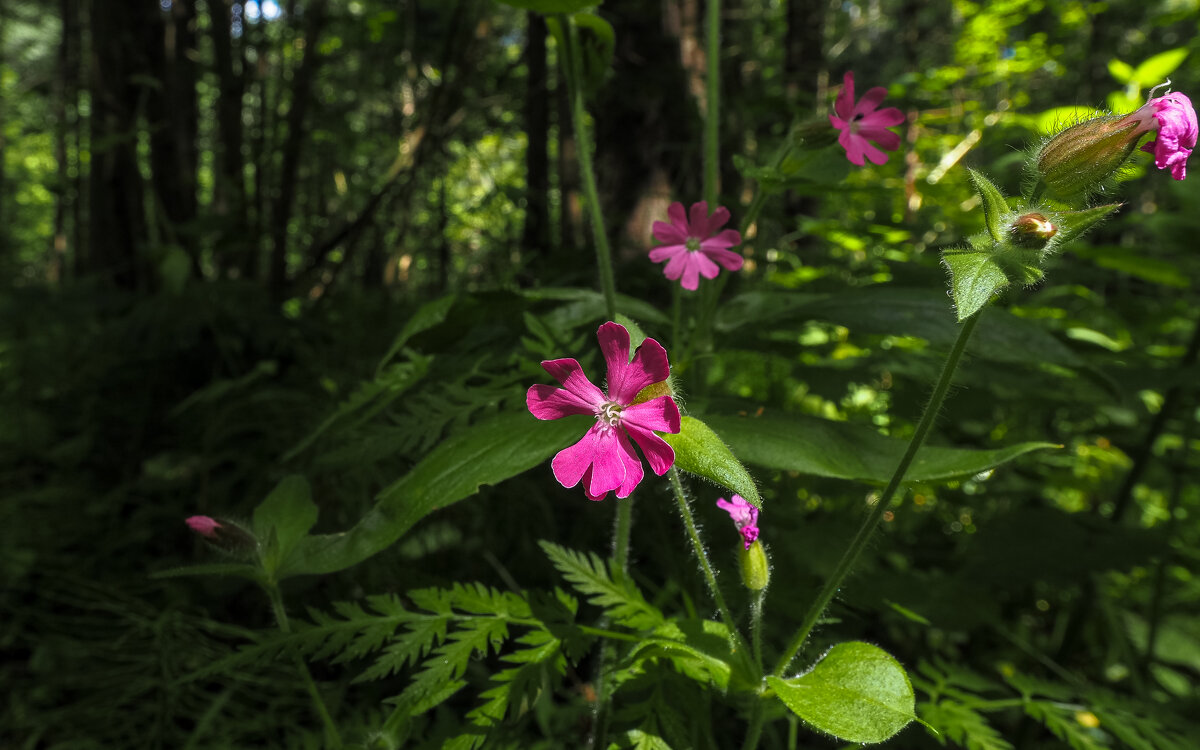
(699, 451)
(857, 693)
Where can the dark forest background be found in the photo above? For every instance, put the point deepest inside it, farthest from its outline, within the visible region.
(218, 220)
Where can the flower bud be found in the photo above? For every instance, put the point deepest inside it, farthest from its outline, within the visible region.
(224, 535)
(756, 570)
(1075, 162)
(1031, 230)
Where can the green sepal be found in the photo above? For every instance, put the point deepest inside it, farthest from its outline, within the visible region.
(994, 204)
(699, 451)
(857, 693)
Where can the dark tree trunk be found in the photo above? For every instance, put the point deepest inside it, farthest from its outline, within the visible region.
(121, 32)
(535, 234)
(172, 113)
(229, 183)
(302, 95)
(64, 116)
(803, 51)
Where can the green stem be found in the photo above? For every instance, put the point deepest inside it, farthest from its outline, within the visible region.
(622, 525)
(573, 70)
(712, 109)
(710, 577)
(332, 738)
(756, 726)
(859, 543)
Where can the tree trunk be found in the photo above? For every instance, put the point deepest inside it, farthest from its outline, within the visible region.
(803, 51)
(65, 110)
(535, 234)
(229, 179)
(121, 32)
(302, 95)
(172, 113)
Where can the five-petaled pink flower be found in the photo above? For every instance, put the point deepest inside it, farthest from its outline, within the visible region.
(603, 459)
(694, 246)
(744, 515)
(861, 123)
(1173, 121)
(203, 525)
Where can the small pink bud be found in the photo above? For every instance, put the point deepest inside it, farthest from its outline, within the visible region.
(204, 526)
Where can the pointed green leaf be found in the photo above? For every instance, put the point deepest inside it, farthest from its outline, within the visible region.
(241, 570)
(1158, 68)
(857, 693)
(994, 205)
(486, 453)
(841, 450)
(699, 451)
(1071, 224)
(283, 519)
(974, 279)
(1120, 70)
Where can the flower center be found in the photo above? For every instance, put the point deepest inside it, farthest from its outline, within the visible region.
(692, 244)
(610, 413)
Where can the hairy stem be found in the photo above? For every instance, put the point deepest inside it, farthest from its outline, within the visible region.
(869, 524)
(332, 737)
(574, 76)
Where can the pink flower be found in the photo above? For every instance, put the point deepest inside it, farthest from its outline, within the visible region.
(860, 123)
(603, 459)
(744, 515)
(204, 526)
(693, 246)
(1173, 121)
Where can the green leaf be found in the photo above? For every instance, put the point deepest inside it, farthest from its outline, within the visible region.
(551, 7)
(842, 450)
(1136, 263)
(283, 519)
(699, 451)
(1121, 71)
(1156, 69)
(857, 693)
(241, 570)
(994, 205)
(429, 315)
(975, 278)
(487, 453)
(1072, 224)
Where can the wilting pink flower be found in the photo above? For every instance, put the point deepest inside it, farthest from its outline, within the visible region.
(693, 244)
(203, 525)
(1173, 121)
(604, 460)
(744, 515)
(860, 123)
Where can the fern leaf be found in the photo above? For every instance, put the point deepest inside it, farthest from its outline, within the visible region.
(606, 586)
(963, 725)
(1066, 726)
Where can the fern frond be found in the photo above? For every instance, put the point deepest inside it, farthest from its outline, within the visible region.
(963, 725)
(606, 586)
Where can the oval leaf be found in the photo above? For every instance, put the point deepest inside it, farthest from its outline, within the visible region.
(699, 451)
(847, 451)
(974, 278)
(283, 519)
(857, 693)
(486, 453)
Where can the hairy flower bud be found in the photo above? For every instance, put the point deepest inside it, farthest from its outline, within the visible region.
(224, 535)
(1075, 162)
(756, 571)
(1031, 230)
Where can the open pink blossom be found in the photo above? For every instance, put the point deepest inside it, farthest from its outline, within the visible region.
(744, 515)
(1173, 121)
(603, 459)
(694, 246)
(203, 525)
(862, 123)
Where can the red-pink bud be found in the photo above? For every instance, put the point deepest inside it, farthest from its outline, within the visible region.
(204, 526)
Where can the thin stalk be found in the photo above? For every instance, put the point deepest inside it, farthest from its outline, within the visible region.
(859, 543)
(710, 577)
(622, 526)
(591, 196)
(757, 715)
(332, 738)
(712, 108)
(756, 726)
